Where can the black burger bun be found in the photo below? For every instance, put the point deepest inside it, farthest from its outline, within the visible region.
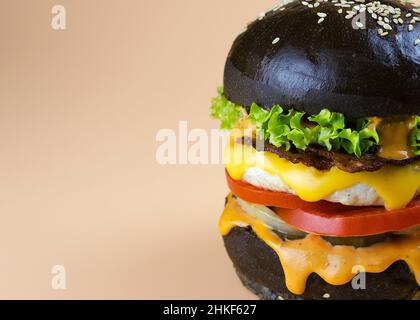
(260, 270)
(315, 58)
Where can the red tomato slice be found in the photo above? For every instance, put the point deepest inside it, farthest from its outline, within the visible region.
(330, 219)
(352, 221)
(270, 198)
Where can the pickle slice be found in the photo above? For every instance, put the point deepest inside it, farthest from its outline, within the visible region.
(357, 242)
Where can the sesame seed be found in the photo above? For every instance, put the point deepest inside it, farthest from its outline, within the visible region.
(386, 15)
(276, 40)
(387, 26)
(326, 296)
(382, 33)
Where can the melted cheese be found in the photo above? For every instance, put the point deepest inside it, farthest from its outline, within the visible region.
(397, 186)
(334, 264)
(394, 135)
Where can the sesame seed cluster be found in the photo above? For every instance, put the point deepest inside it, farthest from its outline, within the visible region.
(387, 17)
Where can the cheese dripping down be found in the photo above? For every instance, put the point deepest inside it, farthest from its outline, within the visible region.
(300, 258)
(394, 135)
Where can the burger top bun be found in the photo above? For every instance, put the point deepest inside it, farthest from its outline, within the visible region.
(357, 57)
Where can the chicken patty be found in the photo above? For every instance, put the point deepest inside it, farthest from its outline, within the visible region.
(356, 195)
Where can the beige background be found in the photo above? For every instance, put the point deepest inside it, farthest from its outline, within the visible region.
(79, 184)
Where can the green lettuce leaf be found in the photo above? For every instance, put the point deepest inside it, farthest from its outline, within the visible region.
(293, 128)
(327, 129)
(224, 110)
(415, 137)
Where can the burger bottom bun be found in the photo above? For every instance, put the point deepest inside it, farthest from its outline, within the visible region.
(259, 269)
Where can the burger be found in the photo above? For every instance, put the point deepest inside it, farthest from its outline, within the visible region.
(322, 98)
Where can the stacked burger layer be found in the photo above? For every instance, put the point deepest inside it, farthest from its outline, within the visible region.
(323, 100)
